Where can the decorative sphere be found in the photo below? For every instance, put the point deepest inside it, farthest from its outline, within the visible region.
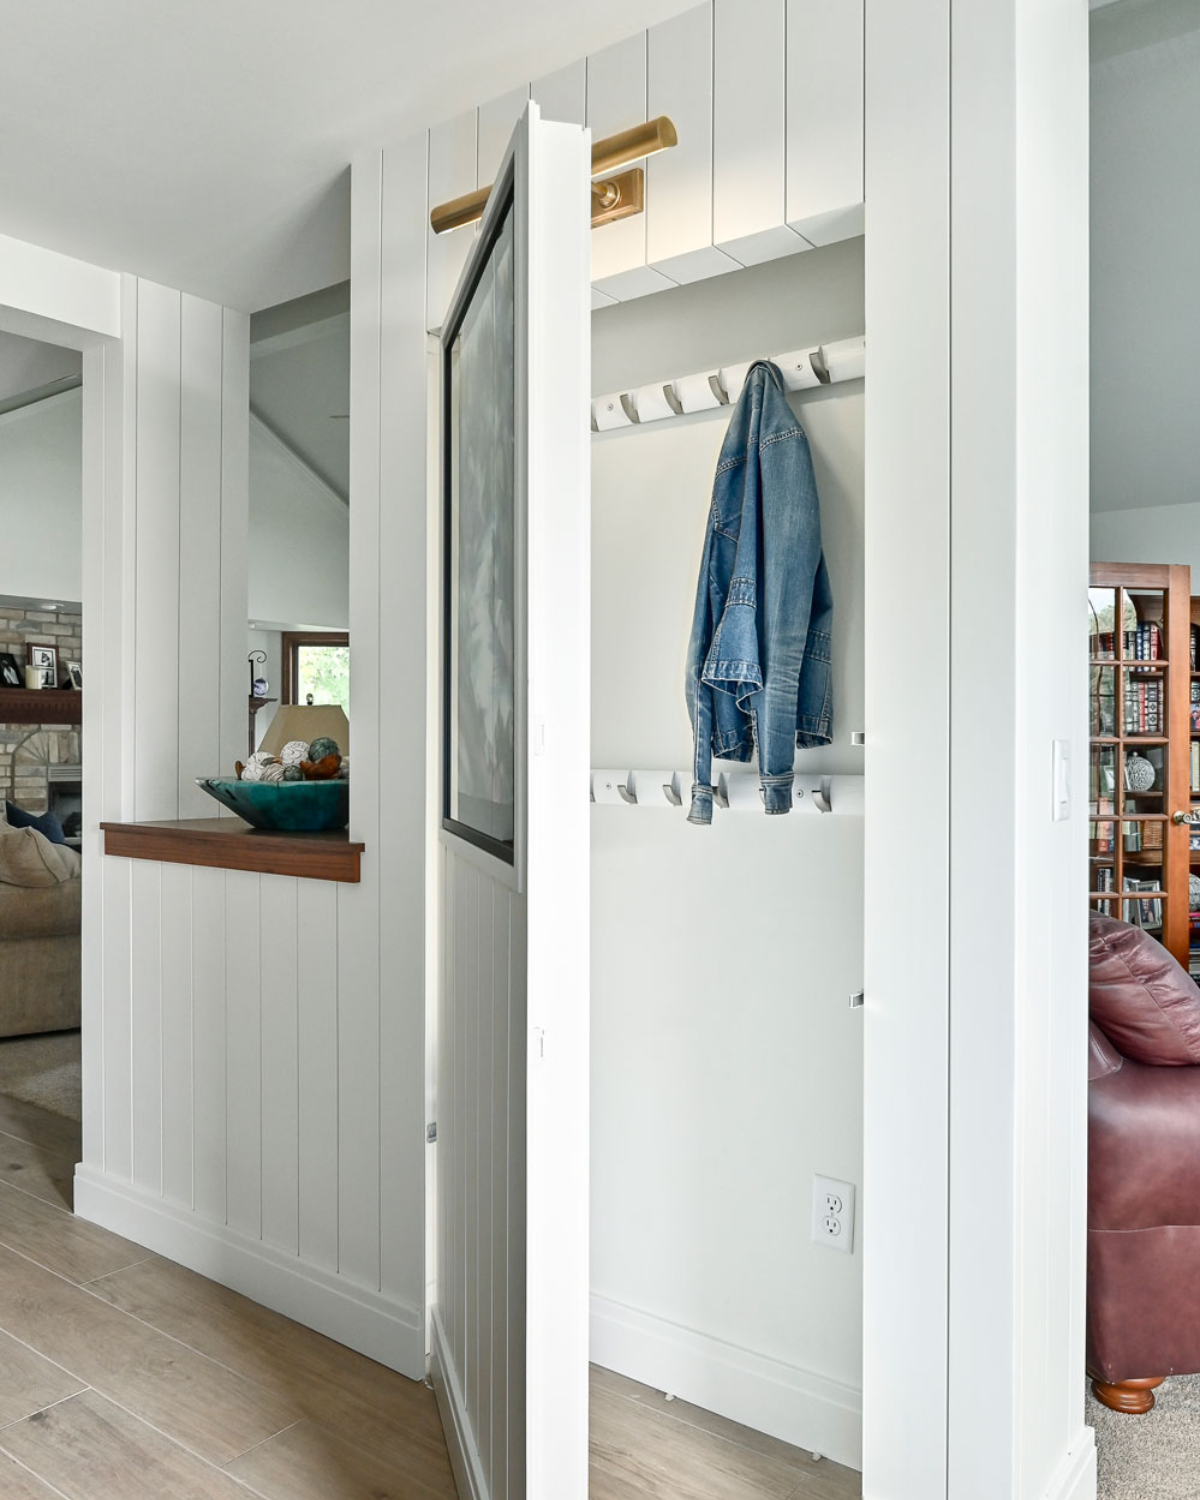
(322, 747)
(273, 772)
(293, 773)
(1139, 774)
(257, 766)
(294, 752)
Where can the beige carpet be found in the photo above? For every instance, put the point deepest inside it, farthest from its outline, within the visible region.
(1155, 1457)
(43, 1070)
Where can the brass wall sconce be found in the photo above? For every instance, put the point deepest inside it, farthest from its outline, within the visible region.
(612, 198)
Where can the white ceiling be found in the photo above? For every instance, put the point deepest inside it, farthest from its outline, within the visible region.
(205, 146)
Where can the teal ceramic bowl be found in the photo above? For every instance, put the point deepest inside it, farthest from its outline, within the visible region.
(284, 806)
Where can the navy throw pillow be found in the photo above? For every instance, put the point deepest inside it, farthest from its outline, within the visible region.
(47, 824)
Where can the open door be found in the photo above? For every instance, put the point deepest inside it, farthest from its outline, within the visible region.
(510, 1315)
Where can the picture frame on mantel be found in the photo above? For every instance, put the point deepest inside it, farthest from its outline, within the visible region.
(45, 659)
(11, 675)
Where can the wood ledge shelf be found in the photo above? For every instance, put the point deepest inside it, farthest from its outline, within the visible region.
(50, 706)
(230, 844)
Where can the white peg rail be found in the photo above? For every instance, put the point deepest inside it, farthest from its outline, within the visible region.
(734, 791)
(802, 369)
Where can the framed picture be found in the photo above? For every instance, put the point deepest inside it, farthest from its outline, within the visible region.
(480, 559)
(45, 659)
(75, 673)
(11, 674)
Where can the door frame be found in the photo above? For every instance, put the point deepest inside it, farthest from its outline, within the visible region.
(59, 300)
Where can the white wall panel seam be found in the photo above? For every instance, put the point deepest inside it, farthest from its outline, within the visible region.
(178, 565)
(222, 580)
(261, 1078)
(299, 1095)
(377, 727)
(225, 1019)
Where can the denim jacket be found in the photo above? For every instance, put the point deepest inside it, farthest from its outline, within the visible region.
(758, 659)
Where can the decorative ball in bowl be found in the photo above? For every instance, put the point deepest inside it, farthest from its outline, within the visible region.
(283, 806)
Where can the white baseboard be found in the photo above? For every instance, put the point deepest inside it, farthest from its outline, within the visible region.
(384, 1329)
(464, 1455)
(1076, 1478)
(799, 1406)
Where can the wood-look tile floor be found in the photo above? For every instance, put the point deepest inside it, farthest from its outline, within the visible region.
(126, 1377)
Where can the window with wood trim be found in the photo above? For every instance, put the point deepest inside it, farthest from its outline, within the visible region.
(316, 663)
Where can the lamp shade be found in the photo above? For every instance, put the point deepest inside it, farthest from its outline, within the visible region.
(307, 722)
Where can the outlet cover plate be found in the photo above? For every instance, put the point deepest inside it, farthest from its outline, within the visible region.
(833, 1213)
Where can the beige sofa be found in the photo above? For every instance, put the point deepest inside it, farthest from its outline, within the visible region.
(39, 934)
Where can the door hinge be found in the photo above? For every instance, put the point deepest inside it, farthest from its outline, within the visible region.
(431, 1132)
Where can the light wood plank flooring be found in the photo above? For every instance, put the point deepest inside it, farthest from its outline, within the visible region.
(126, 1377)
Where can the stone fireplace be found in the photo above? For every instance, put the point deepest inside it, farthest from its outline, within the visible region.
(41, 764)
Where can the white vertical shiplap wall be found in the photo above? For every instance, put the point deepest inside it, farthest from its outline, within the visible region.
(767, 96)
(750, 132)
(825, 119)
(481, 1123)
(617, 99)
(453, 170)
(679, 182)
(254, 1092)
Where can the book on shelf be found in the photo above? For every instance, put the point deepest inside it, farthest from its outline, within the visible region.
(1194, 777)
(1144, 707)
(1147, 642)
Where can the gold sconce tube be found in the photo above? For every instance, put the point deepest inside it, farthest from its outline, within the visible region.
(631, 145)
(607, 155)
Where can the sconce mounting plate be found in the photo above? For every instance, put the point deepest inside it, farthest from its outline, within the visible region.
(630, 199)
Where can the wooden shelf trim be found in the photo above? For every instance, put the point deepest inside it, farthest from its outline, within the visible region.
(45, 706)
(230, 844)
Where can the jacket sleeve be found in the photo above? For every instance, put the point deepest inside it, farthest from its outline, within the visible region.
(792, 560)
(699, 693)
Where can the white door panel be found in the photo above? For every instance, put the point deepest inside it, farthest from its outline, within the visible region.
(510, 1315)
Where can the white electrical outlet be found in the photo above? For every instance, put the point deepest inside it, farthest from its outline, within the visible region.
(833, 1213)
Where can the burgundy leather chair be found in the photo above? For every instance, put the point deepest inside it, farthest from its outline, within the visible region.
(1143, 1296)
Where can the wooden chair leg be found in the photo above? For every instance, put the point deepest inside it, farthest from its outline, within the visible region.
(1133, 1396)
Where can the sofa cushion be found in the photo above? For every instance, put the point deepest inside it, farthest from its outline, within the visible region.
(45, 823)
(1139, 996)
(28, 859)
(51, 912)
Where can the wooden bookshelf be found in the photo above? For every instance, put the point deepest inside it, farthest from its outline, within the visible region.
(1139, 667)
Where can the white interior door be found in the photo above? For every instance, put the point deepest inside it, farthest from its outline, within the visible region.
(509, 1325)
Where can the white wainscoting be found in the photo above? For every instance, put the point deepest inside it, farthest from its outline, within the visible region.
(253, 1085)
(479, 1372)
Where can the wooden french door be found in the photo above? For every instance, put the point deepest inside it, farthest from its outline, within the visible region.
(1140, 774)
(510, 1315)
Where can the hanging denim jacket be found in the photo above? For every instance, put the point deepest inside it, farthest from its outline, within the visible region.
(758, 659)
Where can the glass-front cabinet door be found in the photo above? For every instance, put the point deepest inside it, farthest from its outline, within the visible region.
(1140, 674)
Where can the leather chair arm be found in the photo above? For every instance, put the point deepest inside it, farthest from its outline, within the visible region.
(1144, 1147)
